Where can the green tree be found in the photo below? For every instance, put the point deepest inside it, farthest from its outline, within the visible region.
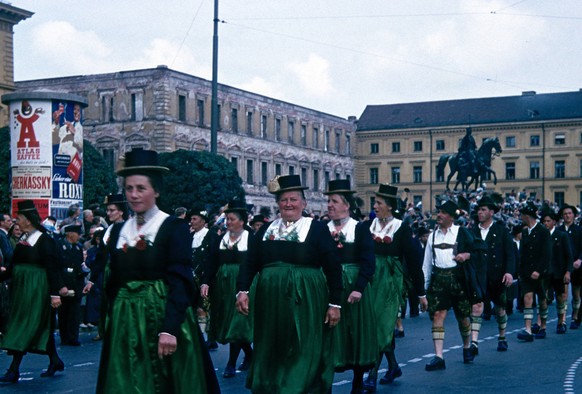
(4, 169)
(198, 179)
(99, 179)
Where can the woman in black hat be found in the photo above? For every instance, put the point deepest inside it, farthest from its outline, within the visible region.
(37, 285)
(152, 343)
(227, 325)
(393, 247)
(297, 297)
(355, 343)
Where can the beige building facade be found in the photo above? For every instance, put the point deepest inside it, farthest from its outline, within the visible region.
(166, 110)
(540, 137)
(9, 17)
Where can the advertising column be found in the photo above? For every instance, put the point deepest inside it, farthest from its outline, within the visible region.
(46, 148)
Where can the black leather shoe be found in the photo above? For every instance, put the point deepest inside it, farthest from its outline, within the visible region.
(52, 369)
(523, 335)
(502, 346)
(535, 328)
(370, 383)
(212, 345)
(10, 377)
(435, 364)
(391, 375)
(561, 329)
(474, 348)
(229, 371)
(468, 356)
(398, 333)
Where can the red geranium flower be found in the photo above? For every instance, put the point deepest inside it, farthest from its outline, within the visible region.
(141, 244)
(125, 247)
(387, 240)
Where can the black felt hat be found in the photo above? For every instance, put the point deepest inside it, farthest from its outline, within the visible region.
(236, 205)
(566, 206)
(140, 161)
(530, 210)
(114, 199)
(199, 212)
(72, 228)
(547, 211)
(450, 207)
(26, 206)
(488, 202)
(338, 186)
(258, 219)
(284, 183)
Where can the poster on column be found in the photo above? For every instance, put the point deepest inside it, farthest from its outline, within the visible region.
(30, 125)
(67, 150)
(30, 182)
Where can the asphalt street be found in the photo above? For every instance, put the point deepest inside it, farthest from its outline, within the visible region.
(550, 365)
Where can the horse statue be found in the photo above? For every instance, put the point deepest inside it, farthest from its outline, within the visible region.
(471, 172)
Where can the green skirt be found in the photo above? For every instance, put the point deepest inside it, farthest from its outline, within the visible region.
(226, 324)
(293, 347)
(29, 324)
(129, 358)
(387, 286)
(354, 338)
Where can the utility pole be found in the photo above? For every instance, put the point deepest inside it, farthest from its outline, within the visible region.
(214, 101)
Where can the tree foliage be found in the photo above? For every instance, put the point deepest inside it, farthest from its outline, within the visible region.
(99, 179)
(198, 179)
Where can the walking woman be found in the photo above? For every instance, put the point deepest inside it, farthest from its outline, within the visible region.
(219, 280)
(394, 246)
(35, 287)
(152, 343)
(355, 342)
(297, 298)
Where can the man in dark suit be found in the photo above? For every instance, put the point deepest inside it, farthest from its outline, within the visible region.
(568, 214)
(560, 267)
(536, 254)
(6, 252)
(500, 269)
(71, 262)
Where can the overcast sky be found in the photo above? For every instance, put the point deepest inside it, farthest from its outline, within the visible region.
(333, 56)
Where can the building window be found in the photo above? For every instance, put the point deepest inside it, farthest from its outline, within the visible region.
(349, 179)
(417, 200)
(326, 179)
(303, 176)
(534, 140)
(439, 177)
(337, 175)
(249, 123)
(291, 170)
(534, 170)
(234, 118)
(250, 178)
(290, 131)
(560, 139)
(264, 126)
(581, 168)
(264, 173)
(418, 146)
(374, 175)
(560, 168)
(440, 144)
(303, 135)
(510, 141)
(348, 145)
(277, 169)
(326, 141)
(109, 157)
(200, 113)
(133, 107)
(509, 171)
(315, 138)
(337, 141)
(559, 198)
(316, 180)
(395, 147)
(417, 174)
(181, 108)
(234, 162)
(395, 175)
(372, 202)
(278, 129)
(374, 148)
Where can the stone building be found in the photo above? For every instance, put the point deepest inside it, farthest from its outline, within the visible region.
(540, 137)
(9, 16)
(166, 110)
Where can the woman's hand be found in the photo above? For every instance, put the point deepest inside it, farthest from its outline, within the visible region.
(55, 301)
(167, 345)
(242, 303)
(332, 316)
(355, 296)
(204, 290)
(87, 288)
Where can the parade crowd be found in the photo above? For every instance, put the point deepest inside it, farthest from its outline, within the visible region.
(300, 296)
